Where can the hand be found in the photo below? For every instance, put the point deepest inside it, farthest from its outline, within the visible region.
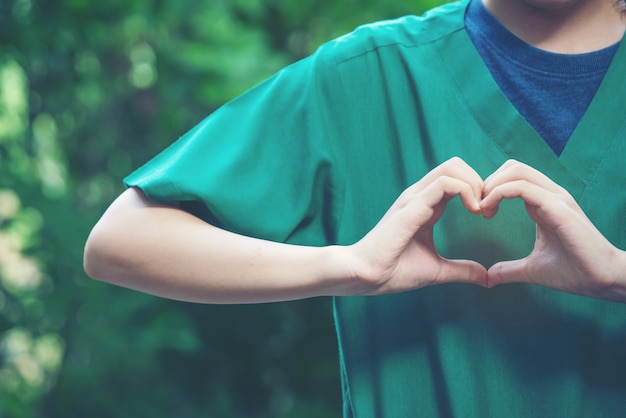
(570, 254)
(399, 254)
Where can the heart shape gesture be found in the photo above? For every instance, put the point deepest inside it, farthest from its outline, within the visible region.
(570, 254)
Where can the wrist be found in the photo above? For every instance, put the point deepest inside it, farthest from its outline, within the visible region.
(345, 273)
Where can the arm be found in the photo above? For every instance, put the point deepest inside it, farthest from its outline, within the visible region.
(570, 254)
(165, 251)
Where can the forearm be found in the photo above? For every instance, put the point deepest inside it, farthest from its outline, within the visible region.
(170, 253)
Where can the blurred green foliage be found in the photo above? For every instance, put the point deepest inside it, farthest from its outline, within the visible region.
(89, 91)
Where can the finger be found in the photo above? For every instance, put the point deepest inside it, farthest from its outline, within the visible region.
(404, 220)
(459, 169)
(462, 271)
(418, 203)
(505, 166)
(514, 271)
(513, 170)
(455, 168)
(445, 188)
(544, 203)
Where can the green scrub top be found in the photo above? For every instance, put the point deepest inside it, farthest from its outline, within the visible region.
(316, 154)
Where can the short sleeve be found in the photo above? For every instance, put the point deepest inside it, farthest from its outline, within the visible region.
(261, 165)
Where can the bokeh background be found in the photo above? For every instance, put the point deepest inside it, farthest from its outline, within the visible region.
(89, 91)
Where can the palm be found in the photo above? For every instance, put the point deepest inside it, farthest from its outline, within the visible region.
(420, 262)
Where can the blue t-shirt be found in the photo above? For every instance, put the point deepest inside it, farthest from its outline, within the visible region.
(551, 91)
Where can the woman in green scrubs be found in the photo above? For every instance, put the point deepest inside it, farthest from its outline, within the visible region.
(339, 176)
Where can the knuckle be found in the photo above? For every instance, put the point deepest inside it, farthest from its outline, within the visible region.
(445, 182)
(452, 165)
(517, 169)
(456, 160)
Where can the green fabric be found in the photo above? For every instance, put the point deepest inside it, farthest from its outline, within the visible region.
(317, 154)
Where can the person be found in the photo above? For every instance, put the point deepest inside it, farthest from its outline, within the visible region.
(339, 176)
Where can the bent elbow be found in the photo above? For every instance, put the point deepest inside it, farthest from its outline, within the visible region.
(93, 257)
(105, 254)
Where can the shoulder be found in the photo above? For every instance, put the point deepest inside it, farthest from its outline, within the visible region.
(405, 32)
(363, 47)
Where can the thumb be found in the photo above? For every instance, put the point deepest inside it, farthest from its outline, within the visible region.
(513, 271)
(463, 271)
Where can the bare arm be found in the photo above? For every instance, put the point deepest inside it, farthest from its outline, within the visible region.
(165, 251)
